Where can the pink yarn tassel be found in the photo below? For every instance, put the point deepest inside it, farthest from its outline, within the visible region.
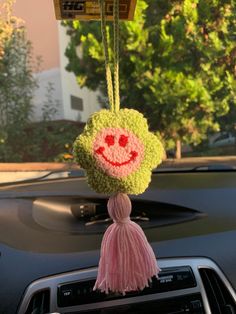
(127, 261)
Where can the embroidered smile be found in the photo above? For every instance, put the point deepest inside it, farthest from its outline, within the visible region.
(133, 155)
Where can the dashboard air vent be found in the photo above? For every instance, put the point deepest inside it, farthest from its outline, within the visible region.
(39, 303)
(219, 297)
(81, 292)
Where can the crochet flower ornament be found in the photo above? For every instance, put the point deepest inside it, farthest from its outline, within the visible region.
(118, 152)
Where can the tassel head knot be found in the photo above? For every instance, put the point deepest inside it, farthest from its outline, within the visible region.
(119, 208)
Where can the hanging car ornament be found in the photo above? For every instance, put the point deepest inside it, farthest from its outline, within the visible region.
(118, 152)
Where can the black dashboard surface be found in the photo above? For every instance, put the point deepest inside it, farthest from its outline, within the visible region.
(30, 250)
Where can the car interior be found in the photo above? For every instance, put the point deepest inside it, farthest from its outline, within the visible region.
(52, 226)
(188, 216)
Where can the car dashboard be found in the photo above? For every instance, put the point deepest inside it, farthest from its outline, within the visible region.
(51, 231)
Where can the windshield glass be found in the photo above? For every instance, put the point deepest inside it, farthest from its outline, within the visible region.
(177, 67)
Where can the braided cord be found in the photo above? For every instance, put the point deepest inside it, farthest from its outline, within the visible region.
(113, 95)
(116, 55)
(106, 53)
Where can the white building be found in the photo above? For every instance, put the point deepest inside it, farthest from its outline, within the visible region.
(49, 41)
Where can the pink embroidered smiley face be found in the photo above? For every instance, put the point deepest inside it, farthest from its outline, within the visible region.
(118, 151)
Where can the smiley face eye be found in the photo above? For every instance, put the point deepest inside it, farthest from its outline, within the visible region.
(123, 140)
(110, 140)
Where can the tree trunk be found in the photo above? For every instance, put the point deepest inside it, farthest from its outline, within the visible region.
(178, 149)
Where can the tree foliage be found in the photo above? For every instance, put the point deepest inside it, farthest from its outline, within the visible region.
(17, 84)
(20, 138)
(177, 64)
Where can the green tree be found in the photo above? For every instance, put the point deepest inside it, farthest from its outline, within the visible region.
(177, 64)
(20, 138)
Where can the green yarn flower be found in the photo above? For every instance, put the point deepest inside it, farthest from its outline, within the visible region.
(118, 152)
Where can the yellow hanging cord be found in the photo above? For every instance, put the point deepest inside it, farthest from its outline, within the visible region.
(116, 54)
(106, 53)
(113, 95)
